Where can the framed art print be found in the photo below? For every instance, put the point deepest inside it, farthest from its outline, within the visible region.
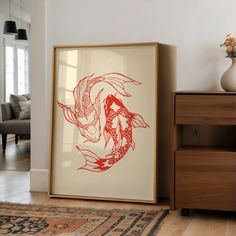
(104, 122)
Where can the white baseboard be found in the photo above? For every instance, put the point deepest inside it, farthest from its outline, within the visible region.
(39, 180)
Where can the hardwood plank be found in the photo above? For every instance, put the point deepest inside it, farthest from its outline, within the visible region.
(175, 225)
(216, 227)
(16, 157)
(197, 227)
(230, 227)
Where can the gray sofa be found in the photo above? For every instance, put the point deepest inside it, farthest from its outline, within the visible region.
(11, 125)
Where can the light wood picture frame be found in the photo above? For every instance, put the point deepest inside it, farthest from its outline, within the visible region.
(104, 122)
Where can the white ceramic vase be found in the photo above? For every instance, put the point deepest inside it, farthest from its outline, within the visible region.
(228, 79)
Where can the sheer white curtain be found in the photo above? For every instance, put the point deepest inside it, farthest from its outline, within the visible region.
(16, 69)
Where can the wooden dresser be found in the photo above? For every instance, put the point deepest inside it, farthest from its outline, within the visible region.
(203, 162)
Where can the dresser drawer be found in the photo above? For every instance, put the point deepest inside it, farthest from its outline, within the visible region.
(205, 109)
(205, 180)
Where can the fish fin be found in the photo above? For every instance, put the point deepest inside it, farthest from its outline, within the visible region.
(132, 144)
(93, 162)
(118, 81)
(107, 137)
(90, 159)
(97, 104)
(68, 113)
(138, 121)
(87, 137)
(81, 84)
(88, 155)
(79, 90)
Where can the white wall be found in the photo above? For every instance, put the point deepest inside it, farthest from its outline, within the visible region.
(196, 28)
(39, 82)
(1, 62)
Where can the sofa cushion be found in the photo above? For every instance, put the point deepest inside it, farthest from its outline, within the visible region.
(14, 100)
(15, 127)
(28, 96)
(7, 113)
(24, 110)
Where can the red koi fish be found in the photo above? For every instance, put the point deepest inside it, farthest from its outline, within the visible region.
(118, 127)
(86, 113)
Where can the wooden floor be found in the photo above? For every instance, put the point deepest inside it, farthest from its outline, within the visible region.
(16, 157)
(14, 187)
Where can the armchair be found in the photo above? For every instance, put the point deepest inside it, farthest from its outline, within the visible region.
(11, 125)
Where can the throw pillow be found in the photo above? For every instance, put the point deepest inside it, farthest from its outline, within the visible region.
(27, 96)
(14, 100)
(25, 110)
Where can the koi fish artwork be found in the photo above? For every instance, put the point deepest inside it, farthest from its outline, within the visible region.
(119, 121)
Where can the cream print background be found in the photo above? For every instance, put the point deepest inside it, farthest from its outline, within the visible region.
(133, 177)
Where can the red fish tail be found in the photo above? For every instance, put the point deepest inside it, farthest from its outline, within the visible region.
(93, 162)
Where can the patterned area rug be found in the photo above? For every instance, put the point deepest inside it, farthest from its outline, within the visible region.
(31, 219)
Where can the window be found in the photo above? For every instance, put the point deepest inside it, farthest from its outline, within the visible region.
(16, 69)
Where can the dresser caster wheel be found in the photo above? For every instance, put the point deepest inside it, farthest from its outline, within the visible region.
(185, 212)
